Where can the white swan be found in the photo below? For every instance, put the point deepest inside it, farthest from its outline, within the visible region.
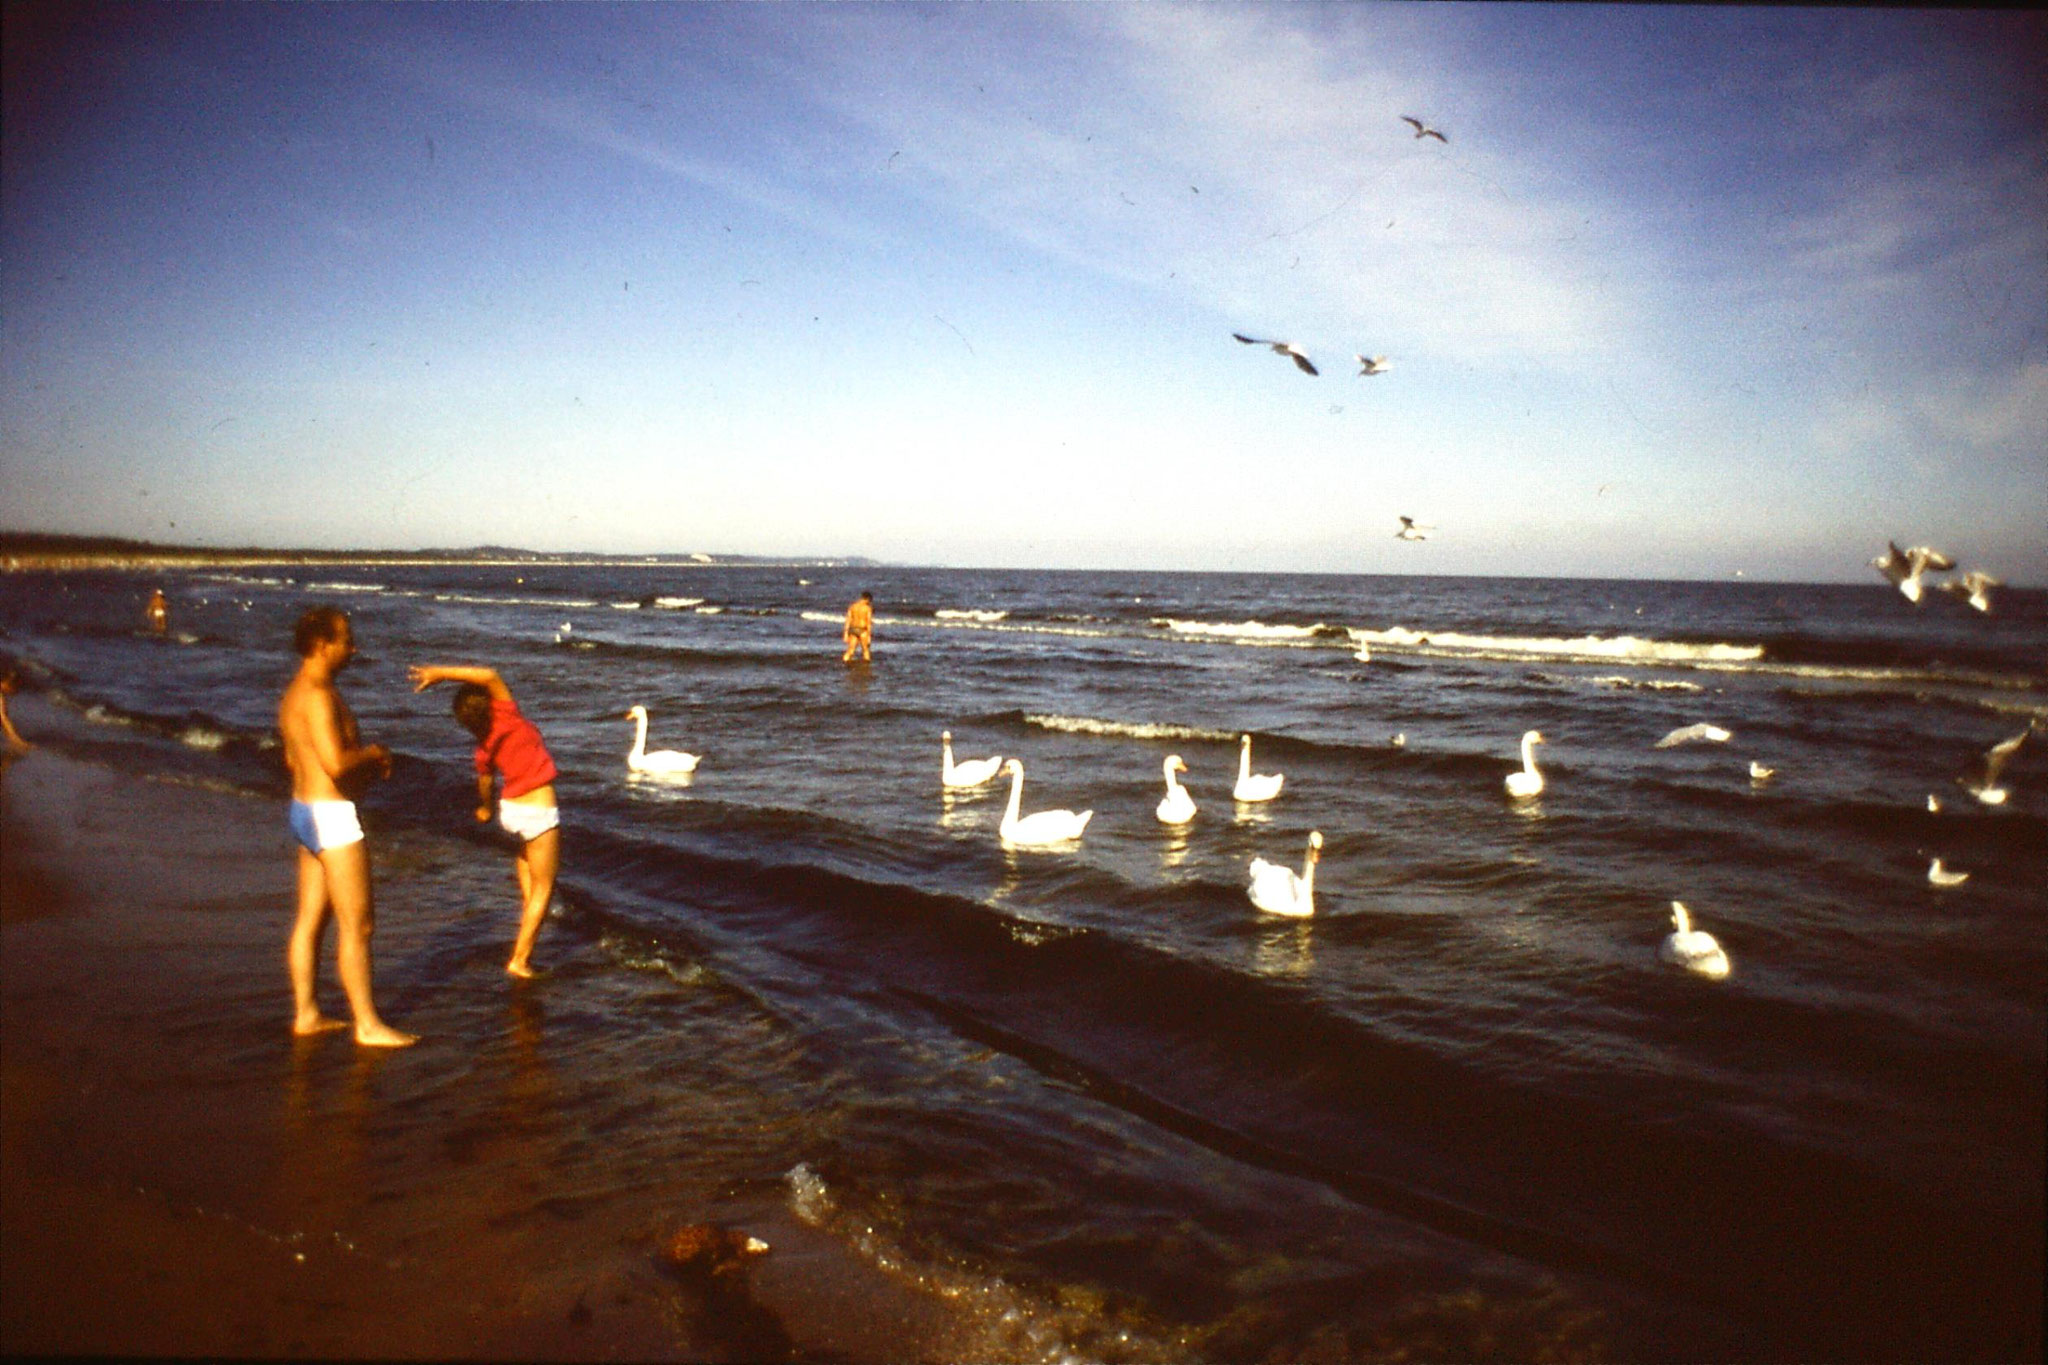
(1693, 949)
(1250, 786)
(1527, 782)
(972, 773)
(661, 760)
(1278, 891)
(1941, 876)
(1178, 807)
(1042, 827)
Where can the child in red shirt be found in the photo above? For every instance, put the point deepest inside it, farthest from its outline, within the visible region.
(509, 745)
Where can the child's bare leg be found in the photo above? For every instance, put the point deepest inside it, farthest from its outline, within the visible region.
(348, 887)
(539, 859)
(302, 950)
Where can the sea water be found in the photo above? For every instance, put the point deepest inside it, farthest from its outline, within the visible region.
(1091, 1092)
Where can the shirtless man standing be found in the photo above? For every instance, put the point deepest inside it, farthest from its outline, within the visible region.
(860, 627)
(323, 751)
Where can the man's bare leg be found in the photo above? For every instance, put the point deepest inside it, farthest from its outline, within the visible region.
(539, 859)
(348, 890)
(302, 952)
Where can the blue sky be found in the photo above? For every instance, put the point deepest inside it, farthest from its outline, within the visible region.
(1688, 290)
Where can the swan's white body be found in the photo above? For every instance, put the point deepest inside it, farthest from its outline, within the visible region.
(1527, 782)
(1759, 773)
(1693, 949)
(661, 760)
(1177, 808)
(1904, 567)
(1689, 733)
(1941, 876)
(1041, 828)
(1995, 758)
(1254, 786)
(1279, 890)
(973, 773)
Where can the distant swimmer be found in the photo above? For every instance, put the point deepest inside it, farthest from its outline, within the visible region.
(1974, 586)
(1904, 567)
(859, 632)
(326, 758)
(157, 615)
(1411, 529)
(509, 746)
(1372, 365)
(1286, 348)
(10, 682)
(1421, 131)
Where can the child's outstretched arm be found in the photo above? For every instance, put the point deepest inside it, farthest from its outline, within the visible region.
(425, 676)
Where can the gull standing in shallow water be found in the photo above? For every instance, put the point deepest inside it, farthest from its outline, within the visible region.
(1974, 586)
(1904, 567)
(1286, 348)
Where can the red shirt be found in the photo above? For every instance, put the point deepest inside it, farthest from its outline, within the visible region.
(514, 747)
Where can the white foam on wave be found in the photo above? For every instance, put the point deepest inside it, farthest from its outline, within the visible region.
(709, 611)
(1002, 627)
(1634, 649)
(473, 599)
(625, 606)
(1088, 725)
(1258, 632)
(676, 603)
(969, 614)
(1649, 684)
(344, 587)
(200, 737)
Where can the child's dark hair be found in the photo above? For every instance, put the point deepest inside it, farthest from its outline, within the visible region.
(472, 707)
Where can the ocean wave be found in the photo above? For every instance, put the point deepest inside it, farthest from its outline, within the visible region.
(1088, 725)
(345, 587)
(1253, 631)
(709, 611)
(625, 606)
(1651, 684)
(969, 614)
(1590, 648)
(483, 601)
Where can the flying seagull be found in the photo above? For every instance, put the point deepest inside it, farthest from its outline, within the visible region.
(1411, 529)
(1975, 586)
(1421, 131)
(1904, 567)
(1995, 758)
(1375, 365)
(1286, 348)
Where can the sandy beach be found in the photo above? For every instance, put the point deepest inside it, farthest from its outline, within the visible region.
(181, 1177)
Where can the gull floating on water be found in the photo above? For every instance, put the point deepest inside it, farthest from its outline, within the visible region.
(1373, 365)
(1692, 732)
(1286, 348)
(1974, 586)
(1904, 567)
(1759, 773)
(1941, 876)
(1411, 529)
(1422, 131)
(1933, 804)
(1995, 758)
(1693, 949)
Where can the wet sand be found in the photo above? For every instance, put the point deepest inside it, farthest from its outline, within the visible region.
(182, 1177)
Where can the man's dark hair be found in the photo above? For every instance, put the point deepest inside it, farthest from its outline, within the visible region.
(316, 627)
(472, 708)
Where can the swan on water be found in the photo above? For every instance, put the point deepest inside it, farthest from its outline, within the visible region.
(1904, 567)
(1286, 348)
(1278, 890)
(1941, 876)
(1250, 786)
(1693, 949)
(661, 760)
(1974, 587)
(1527, 782)
(1177, 808)
(973, 773)
(1686, 734)
(1042, 827)
(1759, 773)
(1995, 758)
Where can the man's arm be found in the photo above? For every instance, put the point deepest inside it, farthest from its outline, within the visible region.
(425, 676)
(336, 756)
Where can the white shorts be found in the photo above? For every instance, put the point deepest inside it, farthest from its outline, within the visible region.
(321, 825)
(528, 822)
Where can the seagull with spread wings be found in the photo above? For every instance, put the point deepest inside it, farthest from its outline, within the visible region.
(1421, 131)
(1286, 348)
(1411, 529)
(1372, 365)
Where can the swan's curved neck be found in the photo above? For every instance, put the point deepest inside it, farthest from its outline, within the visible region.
(1016, 797)
(1308, 873)
(946, 758)
(639, 734)
(1528, 754)
(1244, 761)
(1172, 783)
(1681, 919)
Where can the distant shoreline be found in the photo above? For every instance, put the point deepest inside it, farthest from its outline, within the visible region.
(33, 553)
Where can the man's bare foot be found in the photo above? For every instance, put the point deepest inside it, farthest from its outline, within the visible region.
(308, 1024)
(383, 1035)
(520, 969)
